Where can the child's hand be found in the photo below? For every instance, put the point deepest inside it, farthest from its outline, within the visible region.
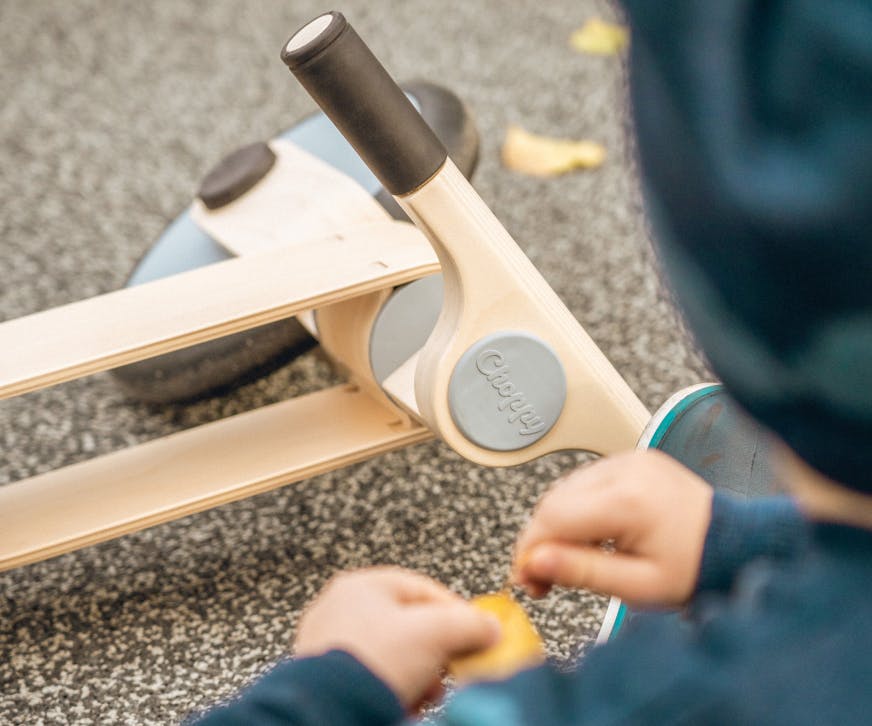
(655, 510)
(403, 626)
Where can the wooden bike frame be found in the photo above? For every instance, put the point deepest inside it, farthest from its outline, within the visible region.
(343, 264)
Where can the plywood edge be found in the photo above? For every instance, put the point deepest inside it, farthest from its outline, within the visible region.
(194, 470)
(164, 315)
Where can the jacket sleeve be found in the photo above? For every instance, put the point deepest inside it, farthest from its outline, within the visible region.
(657, 676)
(334, 689)
(742, 531)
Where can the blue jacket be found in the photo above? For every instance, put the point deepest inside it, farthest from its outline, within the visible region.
(753, 121)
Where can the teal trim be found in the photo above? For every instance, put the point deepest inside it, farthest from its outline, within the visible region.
(679, 409)
(619, 620)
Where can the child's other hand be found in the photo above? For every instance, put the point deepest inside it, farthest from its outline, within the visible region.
(403, 626)
(656, 512)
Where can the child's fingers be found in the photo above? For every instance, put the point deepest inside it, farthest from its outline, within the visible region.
(411, 587)
(632, 578)
(578, 517)
(458, 628)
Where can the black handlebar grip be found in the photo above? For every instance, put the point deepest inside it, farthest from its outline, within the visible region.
(355, 91)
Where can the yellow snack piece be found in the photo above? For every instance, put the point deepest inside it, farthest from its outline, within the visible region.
(520, 646)
(598, 37)
(544, 156)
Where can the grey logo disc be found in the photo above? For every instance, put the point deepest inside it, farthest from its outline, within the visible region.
(507, 391)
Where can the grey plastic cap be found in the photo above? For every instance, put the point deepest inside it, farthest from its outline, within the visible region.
(507, 391)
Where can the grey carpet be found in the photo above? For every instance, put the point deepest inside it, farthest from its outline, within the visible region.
(110, 113)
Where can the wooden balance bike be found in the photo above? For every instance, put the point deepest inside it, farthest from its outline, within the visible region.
(506, 375)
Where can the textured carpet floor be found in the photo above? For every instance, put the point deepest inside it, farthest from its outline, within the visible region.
(110, 114)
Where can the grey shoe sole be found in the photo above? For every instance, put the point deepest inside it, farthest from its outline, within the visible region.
(704, 429)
